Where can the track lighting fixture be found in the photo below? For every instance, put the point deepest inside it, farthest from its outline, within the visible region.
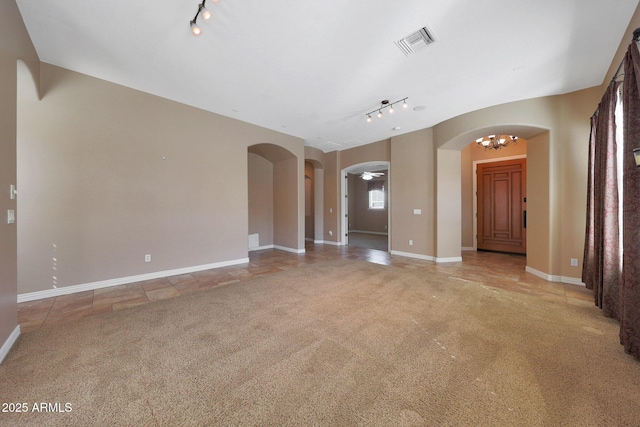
(202, 12)
(386, 104)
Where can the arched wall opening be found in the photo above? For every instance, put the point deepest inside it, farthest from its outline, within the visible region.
(350, 208)
(538, 190)
(273, 198)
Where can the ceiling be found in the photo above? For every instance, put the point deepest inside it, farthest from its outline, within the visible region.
(313, 69)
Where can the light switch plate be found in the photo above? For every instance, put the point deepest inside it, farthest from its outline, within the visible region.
(11, 216)
(417, 211)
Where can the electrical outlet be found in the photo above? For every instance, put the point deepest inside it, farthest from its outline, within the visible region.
(574, 262)
(410, 242)
(330, 233)
(147, 258)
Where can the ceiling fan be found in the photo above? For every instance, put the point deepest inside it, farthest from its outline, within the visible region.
(370, 175)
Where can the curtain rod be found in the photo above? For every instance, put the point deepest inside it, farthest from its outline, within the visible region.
(636, 38)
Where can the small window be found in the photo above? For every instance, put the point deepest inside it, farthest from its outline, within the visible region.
(376, 194)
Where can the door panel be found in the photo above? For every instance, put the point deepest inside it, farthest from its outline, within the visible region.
(501, 206)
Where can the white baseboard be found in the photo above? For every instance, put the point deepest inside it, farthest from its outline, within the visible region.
(412, 255)
(552, 278)
(449, 259)
(327, 242)
(259, 248)
(573, 281)
(282, 248)
(377, 233)
(292, 250)
(32, 296)
(8, 344)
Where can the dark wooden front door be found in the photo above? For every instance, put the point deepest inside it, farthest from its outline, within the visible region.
(502, 206)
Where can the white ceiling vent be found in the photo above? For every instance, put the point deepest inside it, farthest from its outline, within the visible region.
(416, 41)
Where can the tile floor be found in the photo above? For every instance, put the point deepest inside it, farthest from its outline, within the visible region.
(492, 269)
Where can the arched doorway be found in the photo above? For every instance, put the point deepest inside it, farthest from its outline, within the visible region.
(538, 191)
(366, 210)
(273, 180)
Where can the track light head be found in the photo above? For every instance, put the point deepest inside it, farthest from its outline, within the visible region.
(195, 30)
(203, 13)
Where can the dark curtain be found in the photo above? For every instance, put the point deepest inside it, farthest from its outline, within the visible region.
(601, 266)
(630, 289)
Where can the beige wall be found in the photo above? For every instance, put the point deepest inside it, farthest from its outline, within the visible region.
(412, 186)
(15, 45)
(288, 178)
(448, 206)
(375, 152)
(261, 198)
(539, 203)
(331, 197)
(110, 174)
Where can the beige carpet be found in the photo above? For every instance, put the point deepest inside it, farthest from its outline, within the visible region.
(337, 343)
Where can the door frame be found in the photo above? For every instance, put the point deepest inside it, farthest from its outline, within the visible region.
(344, 239)
(474, 167)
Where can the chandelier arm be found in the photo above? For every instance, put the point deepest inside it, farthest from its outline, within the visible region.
(493, 141)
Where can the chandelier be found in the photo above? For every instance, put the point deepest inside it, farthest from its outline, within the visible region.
(496, 142)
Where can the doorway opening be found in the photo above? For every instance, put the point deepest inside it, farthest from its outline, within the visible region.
(366, 206)
(500, 200)
(273, 198)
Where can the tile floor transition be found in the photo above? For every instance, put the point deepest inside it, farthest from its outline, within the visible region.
(492, 269)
